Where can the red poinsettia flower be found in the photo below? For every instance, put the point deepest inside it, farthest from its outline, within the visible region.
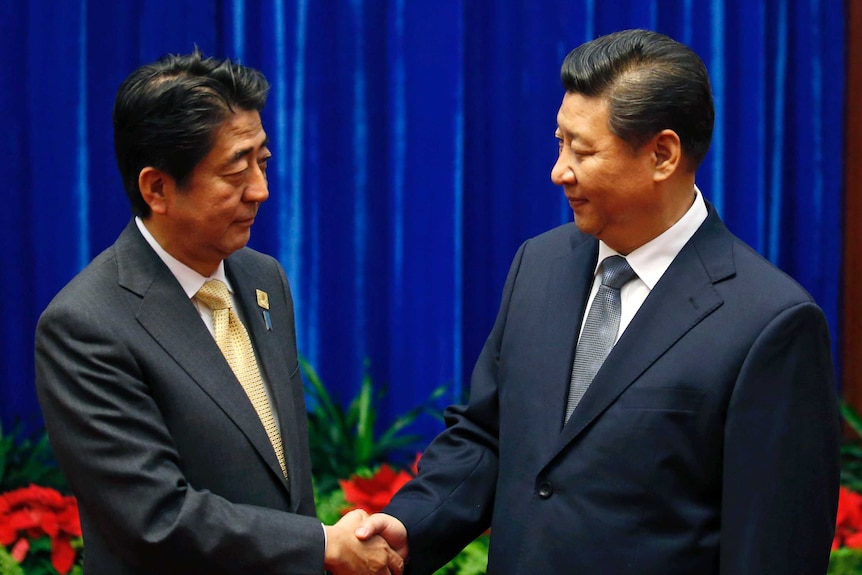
(34, 512)
(848, 523)
(373, 494)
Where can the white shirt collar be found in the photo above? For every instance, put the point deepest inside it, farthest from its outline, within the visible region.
(190, 280)
(652, 259)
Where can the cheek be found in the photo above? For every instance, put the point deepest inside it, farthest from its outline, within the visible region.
(627, 178)
(596, 180)
(225, 206)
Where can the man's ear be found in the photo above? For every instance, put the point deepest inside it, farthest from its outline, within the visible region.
(667, 150)
(154, 185)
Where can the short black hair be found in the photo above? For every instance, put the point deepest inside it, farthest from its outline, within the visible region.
(167, 113)
(651, 83)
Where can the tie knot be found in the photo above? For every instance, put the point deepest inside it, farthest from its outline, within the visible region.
(215, 295)
(616, 271)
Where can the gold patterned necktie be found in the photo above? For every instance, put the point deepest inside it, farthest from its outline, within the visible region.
(234, 342)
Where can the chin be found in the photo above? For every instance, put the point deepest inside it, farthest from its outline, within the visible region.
(585, 225)
(239, 241)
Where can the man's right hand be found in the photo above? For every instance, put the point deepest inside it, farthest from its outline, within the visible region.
(388, 527)
(345, 553)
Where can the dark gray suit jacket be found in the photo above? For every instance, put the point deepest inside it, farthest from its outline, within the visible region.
(706, 444)
(172, 468)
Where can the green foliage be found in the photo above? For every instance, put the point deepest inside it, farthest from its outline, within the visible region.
(845, 561)
(851, 450)
(851, 417)
(329, 505)
(343, 441)
(25, 460)
(473, 560)
(9, 566)
(38, 560)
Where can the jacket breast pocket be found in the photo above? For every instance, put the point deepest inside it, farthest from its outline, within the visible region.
(657, 439)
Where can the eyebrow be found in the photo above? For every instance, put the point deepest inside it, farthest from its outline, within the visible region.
(240, 154)
(574, 136)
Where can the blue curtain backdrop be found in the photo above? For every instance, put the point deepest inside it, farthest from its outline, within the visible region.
(413, 143)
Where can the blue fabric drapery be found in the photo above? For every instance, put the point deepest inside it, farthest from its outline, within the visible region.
(413, 143)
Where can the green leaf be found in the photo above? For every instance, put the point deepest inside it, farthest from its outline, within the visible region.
(330, 505)
(325, 407)
(9, 566)
(845, 561)
(365, 417)
(344, 441)
(28, 459)
(472, 560)
(852, 450)
(851, 417)
(38, 559)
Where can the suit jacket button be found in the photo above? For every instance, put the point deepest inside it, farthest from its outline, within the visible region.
(545, 490)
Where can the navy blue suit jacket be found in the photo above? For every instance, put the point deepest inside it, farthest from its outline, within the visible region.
(706, 444)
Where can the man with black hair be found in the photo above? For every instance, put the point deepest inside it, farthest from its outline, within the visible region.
(655, 398)
(167, 369)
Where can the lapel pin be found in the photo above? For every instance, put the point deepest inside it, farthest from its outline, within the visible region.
(263, 302)
(262, 299)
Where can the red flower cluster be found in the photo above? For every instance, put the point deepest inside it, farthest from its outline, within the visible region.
(848, 525)
(373, 494)
(33, 512)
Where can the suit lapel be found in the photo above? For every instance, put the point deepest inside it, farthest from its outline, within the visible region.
(172, 320)
(682, 298)
(569, 284)
(269, 345)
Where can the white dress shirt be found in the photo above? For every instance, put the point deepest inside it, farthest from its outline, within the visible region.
(650, 261)
(191, 281)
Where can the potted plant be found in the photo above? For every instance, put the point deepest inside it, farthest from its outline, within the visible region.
(356, 467)
(40, 530)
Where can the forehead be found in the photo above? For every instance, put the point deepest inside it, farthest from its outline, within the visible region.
(581, 115)
(240, 131)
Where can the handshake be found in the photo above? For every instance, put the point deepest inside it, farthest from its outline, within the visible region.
(362, 543)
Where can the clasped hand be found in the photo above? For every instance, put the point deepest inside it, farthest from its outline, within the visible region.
(359, 544)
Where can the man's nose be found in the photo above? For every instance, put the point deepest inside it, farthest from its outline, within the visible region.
(561, 173)
(258, 188)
